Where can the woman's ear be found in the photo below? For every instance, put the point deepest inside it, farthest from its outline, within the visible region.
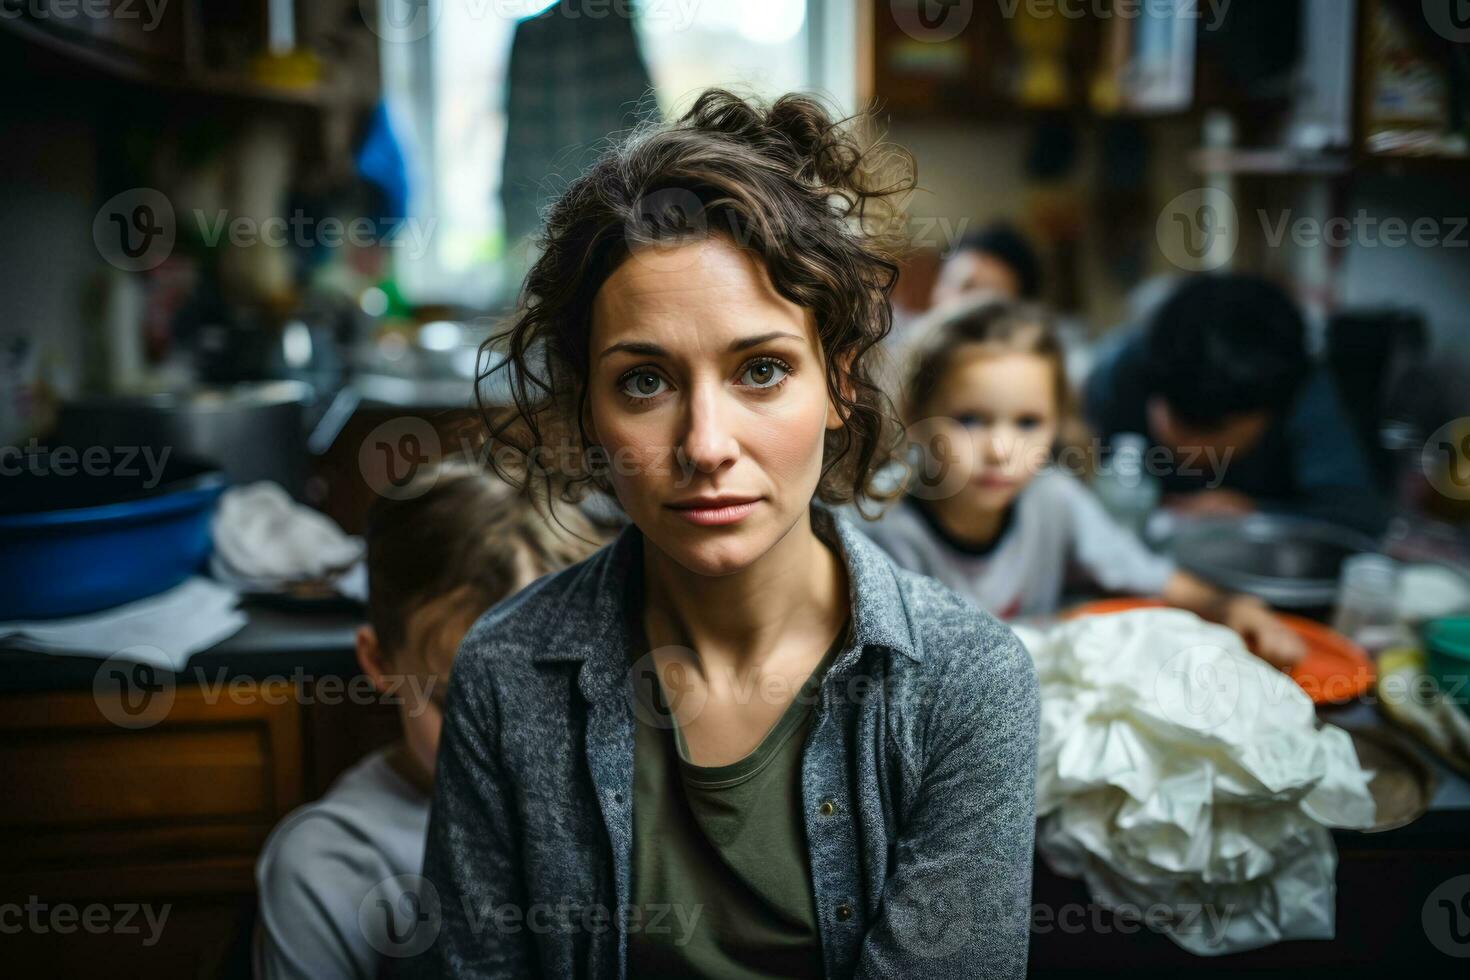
(837, 414)
(370, 657)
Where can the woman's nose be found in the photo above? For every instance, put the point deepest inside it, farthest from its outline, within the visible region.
(709, 440)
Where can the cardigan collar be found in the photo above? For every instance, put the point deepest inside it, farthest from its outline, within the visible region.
(598, 631)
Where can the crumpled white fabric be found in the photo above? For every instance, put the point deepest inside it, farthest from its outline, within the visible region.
(1177, 770)
(264, 539)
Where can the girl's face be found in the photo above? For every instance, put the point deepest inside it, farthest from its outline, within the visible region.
(704, 382)
(1006, 404)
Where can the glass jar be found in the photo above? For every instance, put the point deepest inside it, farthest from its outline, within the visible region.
(1367, 603)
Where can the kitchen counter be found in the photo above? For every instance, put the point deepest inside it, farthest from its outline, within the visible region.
(220, 772)
(310, 644)
(164, 794)
(276, 642)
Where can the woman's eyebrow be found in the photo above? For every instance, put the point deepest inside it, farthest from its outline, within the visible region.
(654, 350)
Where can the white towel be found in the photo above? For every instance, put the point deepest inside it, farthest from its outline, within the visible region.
(263, 540)
(1177, 771)
(163, 630)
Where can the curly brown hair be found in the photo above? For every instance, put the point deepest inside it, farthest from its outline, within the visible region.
(786, 180)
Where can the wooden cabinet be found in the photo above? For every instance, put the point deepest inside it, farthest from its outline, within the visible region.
(132, 849)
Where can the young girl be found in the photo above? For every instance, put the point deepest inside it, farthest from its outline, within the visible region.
(738, 741)
(986, 387)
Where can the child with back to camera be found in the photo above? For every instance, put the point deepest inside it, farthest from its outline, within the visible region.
(436, 560)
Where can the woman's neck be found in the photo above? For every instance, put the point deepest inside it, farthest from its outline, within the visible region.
(794, 598)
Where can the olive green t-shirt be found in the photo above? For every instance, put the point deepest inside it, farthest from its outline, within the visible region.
(721, 875)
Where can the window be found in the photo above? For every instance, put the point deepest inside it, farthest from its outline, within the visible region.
(444, 70)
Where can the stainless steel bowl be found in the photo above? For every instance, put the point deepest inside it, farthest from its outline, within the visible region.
(251, 431)
(1289, 562)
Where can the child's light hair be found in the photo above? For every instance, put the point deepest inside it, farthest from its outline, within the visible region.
(461, 530)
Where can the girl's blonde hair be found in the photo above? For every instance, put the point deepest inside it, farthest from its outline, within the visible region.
(995, 326)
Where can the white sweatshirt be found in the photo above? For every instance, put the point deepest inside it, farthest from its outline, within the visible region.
(1055, 523)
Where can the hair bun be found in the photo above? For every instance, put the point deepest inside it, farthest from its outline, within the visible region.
(798, 133)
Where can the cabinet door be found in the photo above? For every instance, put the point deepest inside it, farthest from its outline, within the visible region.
(132, 844)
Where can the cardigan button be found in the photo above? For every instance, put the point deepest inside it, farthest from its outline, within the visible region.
(827, 808)
(844, 912)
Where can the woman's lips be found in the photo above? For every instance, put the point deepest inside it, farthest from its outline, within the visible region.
(711, 516)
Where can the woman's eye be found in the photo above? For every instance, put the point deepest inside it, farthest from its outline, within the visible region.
(641, 384)
(765, 374)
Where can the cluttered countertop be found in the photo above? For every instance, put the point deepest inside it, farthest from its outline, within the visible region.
(1334, 773)
(243, 621)
(273, 642)
(282, 595)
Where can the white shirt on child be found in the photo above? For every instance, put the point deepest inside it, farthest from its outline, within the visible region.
(325, 860)
(1055, 523)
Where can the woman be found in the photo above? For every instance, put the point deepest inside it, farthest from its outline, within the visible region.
(737, 741)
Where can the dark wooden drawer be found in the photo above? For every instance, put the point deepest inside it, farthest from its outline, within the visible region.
(167, 818)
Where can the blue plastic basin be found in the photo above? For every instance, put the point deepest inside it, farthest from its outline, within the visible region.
(79, 560)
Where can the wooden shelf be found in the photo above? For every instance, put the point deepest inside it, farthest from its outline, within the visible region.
(1416, 165)
(1270, 161)
(163, 70)
(1278, 162)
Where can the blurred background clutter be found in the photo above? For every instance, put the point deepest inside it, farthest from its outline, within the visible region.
(256, 245)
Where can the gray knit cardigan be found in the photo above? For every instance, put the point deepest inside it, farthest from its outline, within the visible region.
(918, 779)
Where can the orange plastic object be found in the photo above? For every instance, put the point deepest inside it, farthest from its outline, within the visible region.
(1335, 669)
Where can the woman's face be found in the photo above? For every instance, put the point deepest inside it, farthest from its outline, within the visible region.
(1007, 406)
(705, 383)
